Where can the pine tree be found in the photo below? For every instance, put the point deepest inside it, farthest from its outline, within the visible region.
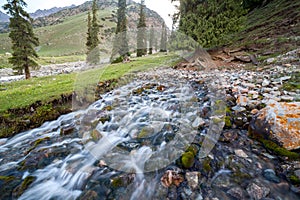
(163, 39)
(120, 45)
(151, 40)
(22, 37)
(141, 34)
(93, 53)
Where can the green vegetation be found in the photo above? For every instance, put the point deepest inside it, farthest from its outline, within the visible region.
(7, 178)
(294, 179)
(24, 93)
(211, 22)
(66, 38)
(271, 27)
(275, 148)
(151, 40)
(22, 37)
(187, 159)
(4, 63)
(163, 39)
(206, 165)
(293, 84)
(28, 103)
(60, 59)
(279, 150)
(25, 184)
(120, 46)
(93, 53)
(141, 33)
(36, 143)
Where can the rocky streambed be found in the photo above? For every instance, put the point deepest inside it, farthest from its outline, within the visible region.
(169, 134)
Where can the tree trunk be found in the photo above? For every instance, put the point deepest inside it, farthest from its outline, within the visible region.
(27, 72)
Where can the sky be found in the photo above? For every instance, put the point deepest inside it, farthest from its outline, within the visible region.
(162, 7)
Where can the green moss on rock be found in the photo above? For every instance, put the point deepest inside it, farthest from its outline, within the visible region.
(188, 159)
(294, 179)
(272, 146)
(7, 178)
(24, 185)
(228, 123)
(206, 165)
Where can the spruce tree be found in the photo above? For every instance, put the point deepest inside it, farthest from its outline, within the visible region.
(120, 45)
(22, 37)
(141, 34)
(89, 33)
(151, 40)
(163, 39)
(93, 53)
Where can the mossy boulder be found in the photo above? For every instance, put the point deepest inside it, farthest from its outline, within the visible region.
(279, 123)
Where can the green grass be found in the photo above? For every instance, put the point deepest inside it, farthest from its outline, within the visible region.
(4, 62)
(24, 93)
(66, 38)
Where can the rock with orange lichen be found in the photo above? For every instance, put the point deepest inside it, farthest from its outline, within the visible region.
(280, 122)
(171, 177)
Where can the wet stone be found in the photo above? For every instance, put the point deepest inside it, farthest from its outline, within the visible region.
(240, 153)
(236, 192)
(193, 179)
(67, 130)
(270, 175)
(230, 136)
(257, 192)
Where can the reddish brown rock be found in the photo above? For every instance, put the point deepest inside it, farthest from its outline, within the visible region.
(279, 122)
(171, 177)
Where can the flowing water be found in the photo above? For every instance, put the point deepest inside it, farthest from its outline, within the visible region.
(141, 127)
(117, 148)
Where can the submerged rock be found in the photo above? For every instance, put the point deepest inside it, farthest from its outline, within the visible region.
(279, 122)
(270, 175)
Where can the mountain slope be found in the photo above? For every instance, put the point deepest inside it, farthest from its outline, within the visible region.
(67, 33)
(4, 17)
(47, 12)
(272, 28)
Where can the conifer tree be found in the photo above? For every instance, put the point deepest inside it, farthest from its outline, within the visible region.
(120, 45)
(89, 36)
(151, 40)
(141, 34)
(93, 53)
(22, 37)
(163, 39)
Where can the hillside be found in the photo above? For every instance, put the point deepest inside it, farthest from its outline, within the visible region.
(64, 33)
(271, 29)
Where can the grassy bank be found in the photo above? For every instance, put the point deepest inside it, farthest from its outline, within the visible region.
(23, 93)
(27, 104)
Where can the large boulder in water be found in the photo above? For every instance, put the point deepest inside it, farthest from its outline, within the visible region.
(279, 122)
